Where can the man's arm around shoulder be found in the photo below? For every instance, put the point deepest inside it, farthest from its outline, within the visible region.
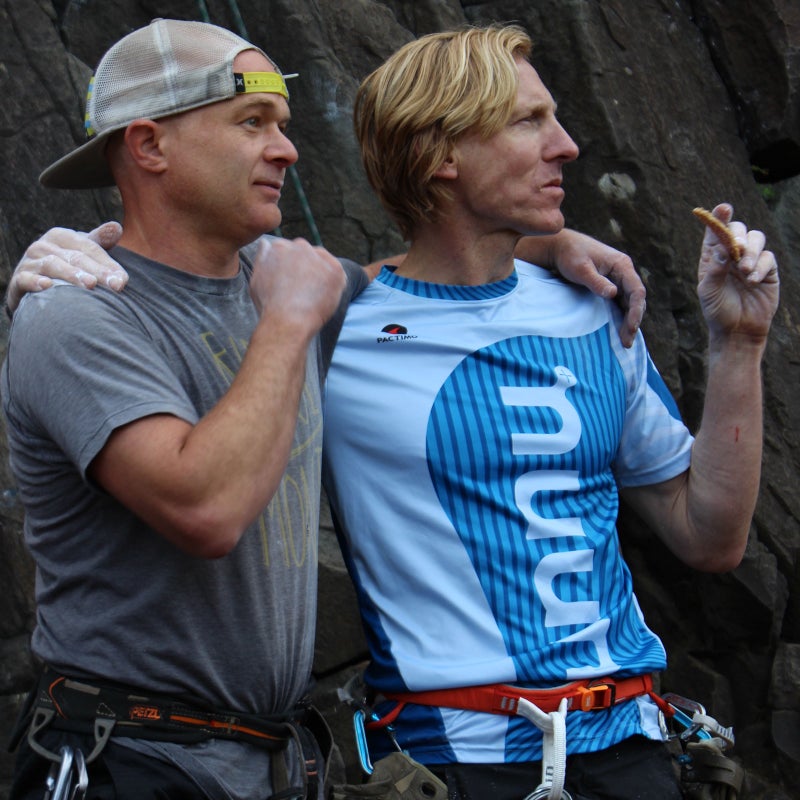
(202, 485)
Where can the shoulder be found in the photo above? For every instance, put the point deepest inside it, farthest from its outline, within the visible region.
(547, 289)
(63, 302)
(544, 280)
(58, 332)
(65, 321)
(357, 279)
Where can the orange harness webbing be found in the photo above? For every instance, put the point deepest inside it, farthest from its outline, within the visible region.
(501, 698)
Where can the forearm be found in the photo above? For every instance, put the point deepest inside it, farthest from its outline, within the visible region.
(240, 449)
(704, 514)
(540, 250)
(201, 485)
(726, 458)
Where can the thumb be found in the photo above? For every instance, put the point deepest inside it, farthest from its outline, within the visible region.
(724, 212)
(106, 235)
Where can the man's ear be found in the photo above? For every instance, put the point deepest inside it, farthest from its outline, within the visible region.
(143, 142)
(448, 169)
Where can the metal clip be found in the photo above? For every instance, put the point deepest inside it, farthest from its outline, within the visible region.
(699, 724)
(359, 726)
(67, 778)
(81, 778)
(684, 703)
(543, 793)
(714, 729)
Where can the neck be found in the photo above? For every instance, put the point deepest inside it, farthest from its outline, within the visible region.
(442, 255)
(190, 252)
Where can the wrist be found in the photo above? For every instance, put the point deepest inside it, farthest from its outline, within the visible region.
(737, 345)
(541, 250)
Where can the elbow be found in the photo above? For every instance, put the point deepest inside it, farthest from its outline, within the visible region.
(728, 563)
(205, 533)
(718, 559)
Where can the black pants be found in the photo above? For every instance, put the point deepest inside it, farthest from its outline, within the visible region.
(636, 769)
(118, 773)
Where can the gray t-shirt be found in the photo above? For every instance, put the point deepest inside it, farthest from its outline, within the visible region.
(114, 598)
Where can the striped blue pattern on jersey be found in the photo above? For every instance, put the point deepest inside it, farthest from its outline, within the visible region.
(521, 440)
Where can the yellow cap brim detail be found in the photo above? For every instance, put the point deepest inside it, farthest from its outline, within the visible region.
(247, 82)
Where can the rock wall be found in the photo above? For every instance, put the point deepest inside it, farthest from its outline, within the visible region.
(673, 103)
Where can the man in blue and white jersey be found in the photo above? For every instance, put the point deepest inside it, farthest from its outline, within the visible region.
(482, 421)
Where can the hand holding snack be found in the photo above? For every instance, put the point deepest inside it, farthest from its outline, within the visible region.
(738, 279)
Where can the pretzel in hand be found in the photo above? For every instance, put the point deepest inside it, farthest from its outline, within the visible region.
(722, 231)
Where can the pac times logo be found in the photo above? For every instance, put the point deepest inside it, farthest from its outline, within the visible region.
(395, 333)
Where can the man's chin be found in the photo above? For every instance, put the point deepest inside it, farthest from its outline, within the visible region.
(545, 227)
(268, 223)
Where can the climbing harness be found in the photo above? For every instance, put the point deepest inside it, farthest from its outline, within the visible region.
(102, 711)
(545, 708)
(695, 738)
(501, 698)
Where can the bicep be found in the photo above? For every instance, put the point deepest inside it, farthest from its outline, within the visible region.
(139, 466)
(662, 506)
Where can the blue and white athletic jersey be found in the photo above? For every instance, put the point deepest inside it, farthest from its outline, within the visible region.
(474, 440)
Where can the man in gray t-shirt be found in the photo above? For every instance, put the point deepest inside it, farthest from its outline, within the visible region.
(171, 344)
(166, 441)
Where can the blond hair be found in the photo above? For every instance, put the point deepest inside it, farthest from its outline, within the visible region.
(412, 110)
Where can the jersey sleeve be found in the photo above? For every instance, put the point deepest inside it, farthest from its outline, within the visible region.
(655, 444)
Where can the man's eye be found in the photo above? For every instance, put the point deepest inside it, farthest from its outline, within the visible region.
(535, 119)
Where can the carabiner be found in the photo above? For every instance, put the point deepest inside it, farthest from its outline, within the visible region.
(81, 777)
(361, 741)
(58, 779)
(67, 778)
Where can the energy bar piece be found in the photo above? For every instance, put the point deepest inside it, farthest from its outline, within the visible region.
(723, 232)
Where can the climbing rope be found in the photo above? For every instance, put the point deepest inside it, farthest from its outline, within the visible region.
(294, 175)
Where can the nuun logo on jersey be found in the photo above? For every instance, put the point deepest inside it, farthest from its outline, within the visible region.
(557, 612)
(563, 440)
(503, 417)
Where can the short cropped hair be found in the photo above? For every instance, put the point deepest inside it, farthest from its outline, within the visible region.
(411, 111)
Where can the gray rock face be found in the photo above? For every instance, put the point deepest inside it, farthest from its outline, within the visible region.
(674, 104)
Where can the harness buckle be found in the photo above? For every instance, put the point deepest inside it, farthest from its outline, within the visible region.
(596, 697)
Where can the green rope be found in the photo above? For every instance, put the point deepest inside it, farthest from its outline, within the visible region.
(293, 173)
(237, 17)
(312, 225)
(204, 15)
